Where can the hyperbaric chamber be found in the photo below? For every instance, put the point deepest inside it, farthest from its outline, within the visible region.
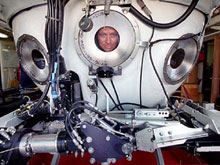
(144, 61)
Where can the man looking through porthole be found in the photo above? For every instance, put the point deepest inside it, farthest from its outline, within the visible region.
(107, 39)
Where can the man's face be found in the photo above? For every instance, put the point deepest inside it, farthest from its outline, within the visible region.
(108, 39)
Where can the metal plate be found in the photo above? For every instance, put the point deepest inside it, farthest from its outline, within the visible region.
(128, 32)
(189, 48)
(26, 46)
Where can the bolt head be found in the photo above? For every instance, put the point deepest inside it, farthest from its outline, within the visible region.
(89, 139)
(91, 150)
(161, 133)
(92, 160)
(108, 138)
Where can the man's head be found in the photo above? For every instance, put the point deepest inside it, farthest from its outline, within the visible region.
(108, 39)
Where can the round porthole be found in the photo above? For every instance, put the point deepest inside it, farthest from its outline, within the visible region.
(110, 42)
(33, 58)
(180, 59)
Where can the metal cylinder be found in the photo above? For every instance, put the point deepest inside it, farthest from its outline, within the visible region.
(32, 143)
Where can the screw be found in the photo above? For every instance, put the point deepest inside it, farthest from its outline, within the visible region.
(91, 150)
(169, 132)
(92, 160)
(89, 139)
(151, 150)
(113, 160)
(161, 133)
(129, 158)
(109, 160)
(107, 138)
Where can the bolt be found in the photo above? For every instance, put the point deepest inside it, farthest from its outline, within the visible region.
(151, 150)
(92, 160)
(91, 150)
(149, 130)
(92, 9)
(139, 112)
(109, 160)
(161, 133)
(125, 11)
(84, 126)
(169, 132)
(89, 139)
(129, 158)
(113, 160)
(107, 138)
(62, 86)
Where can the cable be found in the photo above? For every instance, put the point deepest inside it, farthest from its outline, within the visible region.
(142, 63)
(116, 94)
(141, 75)
(174, 39)
(146, 21)
(158, 77)
(108, 93)
(138, 105)
(96, 99)
(89, 107)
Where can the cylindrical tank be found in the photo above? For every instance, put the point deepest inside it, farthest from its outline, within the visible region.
(173, 59)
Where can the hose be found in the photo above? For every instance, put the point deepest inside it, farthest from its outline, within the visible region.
(147, 21)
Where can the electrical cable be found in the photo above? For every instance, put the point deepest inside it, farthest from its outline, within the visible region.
(127, 103)
(108, 92)
(141, 75)
(158, 77)
(96, 99)
(142, 63)
(148, 22)
(174, 39)
(116, 94)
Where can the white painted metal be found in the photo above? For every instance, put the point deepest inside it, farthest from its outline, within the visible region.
(32, 22)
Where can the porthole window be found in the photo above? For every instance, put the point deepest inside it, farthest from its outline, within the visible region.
(180, 59)
(33, 58)
(110, 42)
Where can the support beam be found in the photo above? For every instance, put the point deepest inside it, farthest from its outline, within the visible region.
(216, 70)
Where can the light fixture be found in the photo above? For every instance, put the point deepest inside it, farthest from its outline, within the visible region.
(3, 35)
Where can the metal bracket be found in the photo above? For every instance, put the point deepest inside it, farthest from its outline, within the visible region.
(117, 71)
(114, 2)
(209, 118)
(144, 139)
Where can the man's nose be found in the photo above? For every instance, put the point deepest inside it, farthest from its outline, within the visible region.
(108, 39)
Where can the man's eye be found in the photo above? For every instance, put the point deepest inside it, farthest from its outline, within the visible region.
(102, 35)
(113, 35)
